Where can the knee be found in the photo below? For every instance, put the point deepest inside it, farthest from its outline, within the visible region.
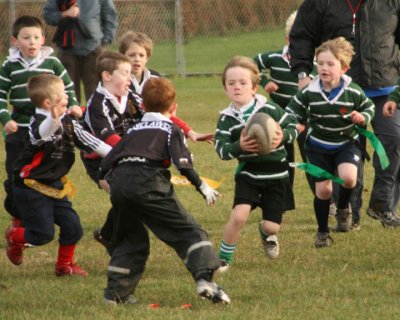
(324, 193)
(39, 238)
(270, 227)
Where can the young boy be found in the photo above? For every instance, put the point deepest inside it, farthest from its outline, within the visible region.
(141, 193)
(41, 189)
(110, 112)
(263, 180)
(138, 47)
(333, 105)
(281, 85)
(27, 57)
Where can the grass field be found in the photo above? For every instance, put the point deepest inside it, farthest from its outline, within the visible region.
(354, 279)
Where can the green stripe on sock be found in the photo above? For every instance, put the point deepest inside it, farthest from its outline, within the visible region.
(262, 232)
(226, 252)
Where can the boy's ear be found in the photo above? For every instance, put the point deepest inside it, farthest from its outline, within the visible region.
(46, 104)
(43, 40)
(105, 76)
(143, 106)
(172, 108)
(13, 41)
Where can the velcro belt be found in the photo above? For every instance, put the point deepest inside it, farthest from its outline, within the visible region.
(138, 161)
(68, 190)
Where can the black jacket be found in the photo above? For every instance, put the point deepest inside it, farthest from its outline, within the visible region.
(377, 35)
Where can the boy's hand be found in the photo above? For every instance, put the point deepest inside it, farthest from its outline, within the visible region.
(75, 111)
(248, 143)
(209, 193)
(195, 136)
(300, 127)
(11, 127)
(58, 110)
(389, 108)
(304, 82)
(357, 117)
(104, 185)
(271, 87)
(279, 136)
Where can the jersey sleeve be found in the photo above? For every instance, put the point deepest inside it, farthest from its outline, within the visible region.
(5, 84)
(87, 142)
(225, 146)
(182, 158)
(263, 63)
(181, 124)
(98, 119)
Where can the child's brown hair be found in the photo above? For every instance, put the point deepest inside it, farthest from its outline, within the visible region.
(340, 48)
(246, 63)
(109, 61)
(42, 87)
(25, 21)
(158, 95)
(136, 37)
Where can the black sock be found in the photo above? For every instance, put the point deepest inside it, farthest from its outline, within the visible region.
(321, 208)
(344, 197)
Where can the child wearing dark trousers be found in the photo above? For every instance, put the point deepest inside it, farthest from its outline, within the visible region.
(41, 188)
(142, 194)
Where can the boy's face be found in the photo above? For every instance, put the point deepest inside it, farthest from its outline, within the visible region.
(58, 99)
(329, 69)
(119, 81)
(29, 41)
(138, 56)
(238, 86)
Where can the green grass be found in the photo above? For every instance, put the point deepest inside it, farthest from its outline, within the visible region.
(209, 55)
(354, 279)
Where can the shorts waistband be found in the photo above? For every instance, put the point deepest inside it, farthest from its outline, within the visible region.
(138, 161)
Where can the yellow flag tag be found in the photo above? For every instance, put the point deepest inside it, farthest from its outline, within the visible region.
(183, 181)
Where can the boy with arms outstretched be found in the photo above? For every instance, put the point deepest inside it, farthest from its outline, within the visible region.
(263, 180)
(40, 187)
(141, 193)
(27, 57)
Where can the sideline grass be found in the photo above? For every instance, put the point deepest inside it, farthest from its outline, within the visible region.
(357, 278)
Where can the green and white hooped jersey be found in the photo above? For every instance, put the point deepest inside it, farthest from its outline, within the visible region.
(230, 126)
(329, 120)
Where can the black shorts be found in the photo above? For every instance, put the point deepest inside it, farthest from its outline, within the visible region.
(274, 197)
(329, 160)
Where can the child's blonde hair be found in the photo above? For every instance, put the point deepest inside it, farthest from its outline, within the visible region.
(340, 48)
(289, 22)
(136, 37)
(42, 87)
(246, 63)
(109, 61)
(158, 95)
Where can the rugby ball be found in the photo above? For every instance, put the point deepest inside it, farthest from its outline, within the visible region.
(263, 128)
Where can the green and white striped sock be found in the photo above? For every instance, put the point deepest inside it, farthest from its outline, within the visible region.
(226, 252)
(263, 235)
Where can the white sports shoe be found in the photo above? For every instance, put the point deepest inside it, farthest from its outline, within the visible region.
(209, 290)
(271, 246)
(224, 267)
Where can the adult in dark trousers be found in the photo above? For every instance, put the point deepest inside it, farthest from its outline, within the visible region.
(83, 28)
(372, 26)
